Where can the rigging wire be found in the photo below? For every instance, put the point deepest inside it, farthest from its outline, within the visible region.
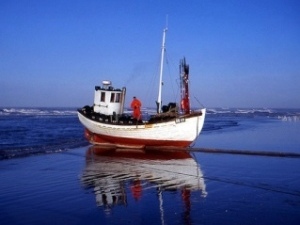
(152, 86)
(175, 92)
(197, 100)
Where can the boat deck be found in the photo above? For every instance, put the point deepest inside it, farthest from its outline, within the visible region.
(127, 119)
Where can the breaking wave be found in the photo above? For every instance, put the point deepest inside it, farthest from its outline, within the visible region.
(291, 115)
(294, 118)
(38, 111)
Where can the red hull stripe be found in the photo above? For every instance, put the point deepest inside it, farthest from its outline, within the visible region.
(141, 154)
(103, 139)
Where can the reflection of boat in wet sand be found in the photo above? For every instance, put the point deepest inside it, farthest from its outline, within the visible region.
(108, 172)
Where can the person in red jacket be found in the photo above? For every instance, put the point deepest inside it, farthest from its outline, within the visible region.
(136, 107)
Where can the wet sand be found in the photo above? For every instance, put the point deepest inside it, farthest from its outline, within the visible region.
(73, 188)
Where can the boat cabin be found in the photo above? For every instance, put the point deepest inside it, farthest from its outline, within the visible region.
(108, 100)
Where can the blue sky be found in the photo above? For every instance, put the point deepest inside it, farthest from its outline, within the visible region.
(241, 53)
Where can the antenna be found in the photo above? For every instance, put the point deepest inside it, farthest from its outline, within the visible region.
(167, 21)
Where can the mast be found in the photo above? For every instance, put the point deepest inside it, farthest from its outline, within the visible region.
(163, 48)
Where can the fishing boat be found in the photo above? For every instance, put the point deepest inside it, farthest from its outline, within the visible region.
(173, 124)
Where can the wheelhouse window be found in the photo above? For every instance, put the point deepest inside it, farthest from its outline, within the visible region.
(102, 97)
(112, 97)
(118, 97)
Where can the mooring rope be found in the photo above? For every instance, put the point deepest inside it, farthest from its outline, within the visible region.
(247, 152)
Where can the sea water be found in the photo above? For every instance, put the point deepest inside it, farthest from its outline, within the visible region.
(49, 176)
(28, 131)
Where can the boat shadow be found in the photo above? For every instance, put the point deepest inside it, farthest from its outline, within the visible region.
(118, 174)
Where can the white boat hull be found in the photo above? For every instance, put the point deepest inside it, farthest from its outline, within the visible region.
(179, 132)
